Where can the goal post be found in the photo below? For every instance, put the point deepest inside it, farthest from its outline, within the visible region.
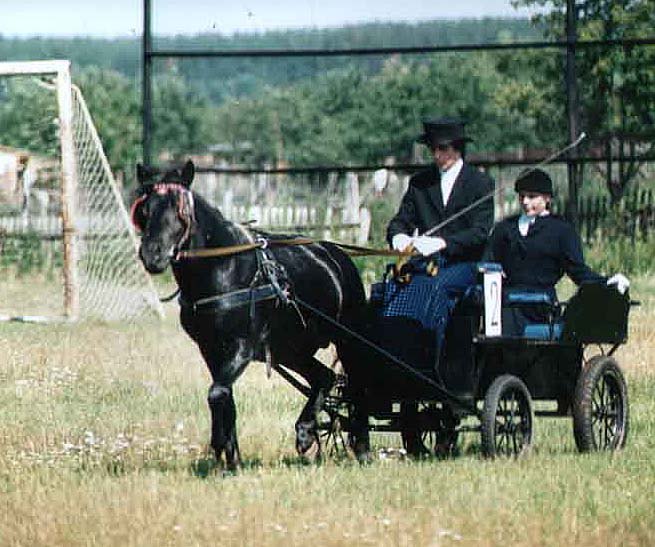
(89, 228)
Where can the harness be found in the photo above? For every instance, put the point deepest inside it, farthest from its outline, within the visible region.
(185, 208)
(270, 282)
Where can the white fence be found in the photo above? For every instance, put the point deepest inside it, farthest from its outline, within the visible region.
(326, 223)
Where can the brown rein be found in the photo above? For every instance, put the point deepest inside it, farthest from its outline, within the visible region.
(261, 243)
(185, 212)
(244, 247)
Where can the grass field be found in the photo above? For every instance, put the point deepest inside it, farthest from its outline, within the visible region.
(103, 441)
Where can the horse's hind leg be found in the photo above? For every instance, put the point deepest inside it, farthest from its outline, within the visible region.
(359, 417)
(321, 380)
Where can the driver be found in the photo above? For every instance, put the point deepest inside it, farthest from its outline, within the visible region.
(433, 196)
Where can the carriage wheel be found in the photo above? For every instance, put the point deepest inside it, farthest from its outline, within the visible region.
(507, 418)
(600, 406)
(428, 430)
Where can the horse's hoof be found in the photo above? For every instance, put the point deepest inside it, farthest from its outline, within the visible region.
(361, 449)
(364, 457)
(306, 437)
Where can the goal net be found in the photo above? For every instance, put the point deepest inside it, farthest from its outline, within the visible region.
(67, 247)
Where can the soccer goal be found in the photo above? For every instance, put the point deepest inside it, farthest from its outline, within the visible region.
(67, 246)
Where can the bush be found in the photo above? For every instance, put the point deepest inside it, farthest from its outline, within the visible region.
(622, 254)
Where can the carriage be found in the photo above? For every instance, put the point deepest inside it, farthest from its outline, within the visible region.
(247, 295)
(487, 382)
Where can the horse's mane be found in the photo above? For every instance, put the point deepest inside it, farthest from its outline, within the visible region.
(202, 204)
(271, 236)
(256, 232)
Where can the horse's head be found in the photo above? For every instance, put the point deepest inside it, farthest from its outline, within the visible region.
(164, 214)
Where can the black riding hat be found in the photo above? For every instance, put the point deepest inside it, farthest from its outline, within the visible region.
(534, 180)
(443, 131)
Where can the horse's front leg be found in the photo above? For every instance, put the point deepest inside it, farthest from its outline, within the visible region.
(226, 361)
(321, 380)
(224, 434)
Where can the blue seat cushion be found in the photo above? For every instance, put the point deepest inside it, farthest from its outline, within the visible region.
(527, 297)
(543, 331)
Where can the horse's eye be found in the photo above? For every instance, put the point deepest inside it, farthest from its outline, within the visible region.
(146, 209)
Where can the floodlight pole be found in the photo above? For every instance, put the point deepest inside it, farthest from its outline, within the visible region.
(146, 84)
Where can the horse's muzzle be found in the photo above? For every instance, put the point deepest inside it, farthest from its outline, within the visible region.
(155, 259)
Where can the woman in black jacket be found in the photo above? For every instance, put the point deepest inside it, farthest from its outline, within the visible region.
(536, 248)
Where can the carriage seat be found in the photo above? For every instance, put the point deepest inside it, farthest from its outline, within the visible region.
(529, 298)
(596, 313)
(547, 301)
(516, 297)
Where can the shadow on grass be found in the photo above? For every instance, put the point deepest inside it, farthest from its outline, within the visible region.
(209, 466)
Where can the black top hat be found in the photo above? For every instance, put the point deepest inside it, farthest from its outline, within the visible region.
(443, 131)
(534, 180)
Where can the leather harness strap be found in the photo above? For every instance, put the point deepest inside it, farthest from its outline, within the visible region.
(236, 249)
(233, 299)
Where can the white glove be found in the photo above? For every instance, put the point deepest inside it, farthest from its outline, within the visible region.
(621, 281)
(427, 245)
(400, 242)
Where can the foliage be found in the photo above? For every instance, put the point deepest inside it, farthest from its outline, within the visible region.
(617, 110)
(346, 116)
(28, 115)
(622, 254)
(114, 103)
(181, 123)
(28, 254)
(326, 110)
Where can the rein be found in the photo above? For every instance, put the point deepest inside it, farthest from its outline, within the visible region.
(185, 211)
(261, 243)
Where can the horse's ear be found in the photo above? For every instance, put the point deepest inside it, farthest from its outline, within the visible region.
(188, 171)
(140, 173)
(143, 173)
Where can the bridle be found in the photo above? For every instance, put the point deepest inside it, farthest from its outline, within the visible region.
(185, 209)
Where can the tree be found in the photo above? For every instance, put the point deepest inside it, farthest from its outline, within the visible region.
(182, 116)
(28, 116)
(114, 104)
(348, 115)
(617, 108)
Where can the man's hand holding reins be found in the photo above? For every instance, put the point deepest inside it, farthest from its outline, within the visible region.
(400, 242)
(428, 245)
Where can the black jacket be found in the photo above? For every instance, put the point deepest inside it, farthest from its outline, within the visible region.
(422, 207)
(539, 260)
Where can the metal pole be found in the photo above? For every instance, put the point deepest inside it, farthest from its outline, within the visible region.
(572, 111)
(146, 84)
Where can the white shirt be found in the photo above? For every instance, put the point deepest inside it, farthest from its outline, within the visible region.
(448, 179)
(526, 221)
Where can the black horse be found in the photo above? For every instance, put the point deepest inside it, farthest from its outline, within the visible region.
(242, 306)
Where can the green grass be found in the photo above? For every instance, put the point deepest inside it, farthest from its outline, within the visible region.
(103, 441)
